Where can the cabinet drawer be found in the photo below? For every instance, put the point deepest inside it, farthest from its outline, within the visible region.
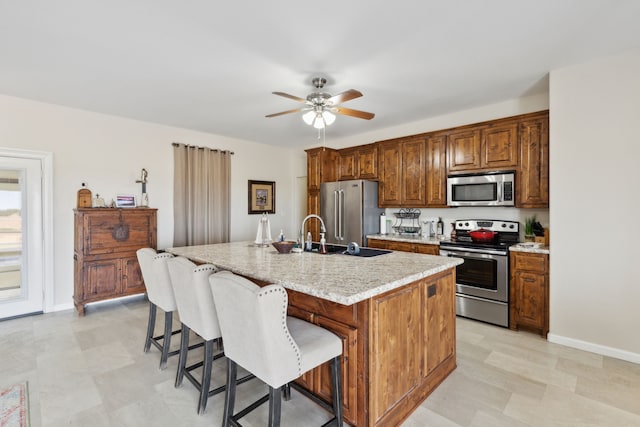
(347, 314)
(530, 262)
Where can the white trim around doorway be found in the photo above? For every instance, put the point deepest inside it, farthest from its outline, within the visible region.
(46, 161)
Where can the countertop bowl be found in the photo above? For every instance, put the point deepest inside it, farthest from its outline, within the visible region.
(284, 247)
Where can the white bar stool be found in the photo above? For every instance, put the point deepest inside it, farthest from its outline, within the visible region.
(197, 313)
(260, 337)
(160, 294)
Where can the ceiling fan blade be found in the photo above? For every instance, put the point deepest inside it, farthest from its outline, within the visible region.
(353, 113)
(295, 98)
(344, 97)
(285, 112)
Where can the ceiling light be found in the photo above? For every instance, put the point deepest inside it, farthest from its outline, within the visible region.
(318, 123)
(309, 117)
(328, 117)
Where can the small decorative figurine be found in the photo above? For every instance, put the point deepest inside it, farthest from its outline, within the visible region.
(144, 200)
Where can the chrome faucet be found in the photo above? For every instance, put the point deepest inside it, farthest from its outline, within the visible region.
(304, 221)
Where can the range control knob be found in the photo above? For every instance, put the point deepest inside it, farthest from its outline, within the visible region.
(504, 225)
(512, 226)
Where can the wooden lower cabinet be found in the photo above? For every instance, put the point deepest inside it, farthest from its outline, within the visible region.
(105, 261)
(529, 292)
(392, 245)
(397, 347)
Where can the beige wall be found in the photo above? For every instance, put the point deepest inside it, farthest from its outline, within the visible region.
(595, 149)
(108, 153)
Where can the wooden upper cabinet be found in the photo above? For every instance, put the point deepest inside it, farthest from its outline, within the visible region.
(499, 146)
(390, 187)
(463, 150)
(414, 157)
(486, 147)
(402, 172)
(533, 173)
(368, 162)
(321, 166)
(358, 163)
(437, 171)
(347, 164)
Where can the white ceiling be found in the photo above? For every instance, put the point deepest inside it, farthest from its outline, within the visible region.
(211, 65)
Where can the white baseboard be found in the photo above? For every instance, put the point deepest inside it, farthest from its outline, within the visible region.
(61, 307)
(595, 348)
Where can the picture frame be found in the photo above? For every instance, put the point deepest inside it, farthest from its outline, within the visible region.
(125, 201)
(262, 197)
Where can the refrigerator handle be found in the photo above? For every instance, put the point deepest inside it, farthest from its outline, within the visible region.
(341, 227)
(335, 214)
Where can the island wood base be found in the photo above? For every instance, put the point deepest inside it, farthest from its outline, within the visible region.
(397, 348)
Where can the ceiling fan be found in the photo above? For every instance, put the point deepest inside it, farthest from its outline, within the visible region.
(322, 107)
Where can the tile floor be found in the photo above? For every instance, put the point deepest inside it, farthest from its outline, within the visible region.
(92, 371)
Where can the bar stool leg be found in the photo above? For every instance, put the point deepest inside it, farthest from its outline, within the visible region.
(182, 357)
(151, 325)
(166, 342)
(275, 402)
(230, 395)
(336, 384)
(206, 376)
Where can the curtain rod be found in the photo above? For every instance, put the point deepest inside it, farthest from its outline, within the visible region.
(177, 144)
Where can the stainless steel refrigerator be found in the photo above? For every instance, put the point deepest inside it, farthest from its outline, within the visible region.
(350, 210)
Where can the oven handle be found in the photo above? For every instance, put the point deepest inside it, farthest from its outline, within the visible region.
(460, 252)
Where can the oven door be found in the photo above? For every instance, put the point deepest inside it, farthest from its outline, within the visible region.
(483, 275)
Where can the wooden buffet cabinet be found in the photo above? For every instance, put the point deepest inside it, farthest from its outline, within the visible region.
(412, 170)
(105, 245)
(529, 292)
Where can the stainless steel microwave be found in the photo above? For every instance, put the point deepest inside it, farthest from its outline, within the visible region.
(485, 189)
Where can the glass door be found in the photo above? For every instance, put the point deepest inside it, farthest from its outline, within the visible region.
(21, 231)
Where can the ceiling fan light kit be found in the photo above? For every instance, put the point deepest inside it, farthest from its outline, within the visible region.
(322, 107)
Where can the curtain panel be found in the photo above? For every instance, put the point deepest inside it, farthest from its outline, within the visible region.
(201, 195)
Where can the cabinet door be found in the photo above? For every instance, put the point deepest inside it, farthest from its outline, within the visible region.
(321, 166)
(390, 186)
(132, 281)
(306, 380)
(533, 174)
(322, 377)
(347, 165)
(440, 327)
(414, 176)
(499, 146)
(313, 207)
(530, 299)
(464, 150)
(101, 278)
(368, 162)
(396, 349)
(437, 171)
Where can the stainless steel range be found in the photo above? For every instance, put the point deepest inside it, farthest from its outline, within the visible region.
(482, 281)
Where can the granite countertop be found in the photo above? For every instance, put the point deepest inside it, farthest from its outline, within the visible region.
(530, 247)
(417, 238)
(339, 278)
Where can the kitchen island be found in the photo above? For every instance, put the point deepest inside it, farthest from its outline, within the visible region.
(395, 314)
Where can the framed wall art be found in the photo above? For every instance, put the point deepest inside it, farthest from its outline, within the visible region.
(262, 197)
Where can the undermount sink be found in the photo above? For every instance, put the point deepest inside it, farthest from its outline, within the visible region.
(342, 250)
